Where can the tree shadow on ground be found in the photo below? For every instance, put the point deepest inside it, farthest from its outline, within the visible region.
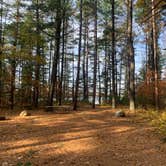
(83, 138)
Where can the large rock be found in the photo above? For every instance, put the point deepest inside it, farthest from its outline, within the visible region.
(120, 113)
(24, 113)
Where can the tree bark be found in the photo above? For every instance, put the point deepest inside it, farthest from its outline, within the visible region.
(79, 59)
(156, 91)
(37, 67)
(56, 55)
(1, 45)
(13, 62)
(106, 73)
(113, 57)
(63, 54)
(131, 57)
(95, 56)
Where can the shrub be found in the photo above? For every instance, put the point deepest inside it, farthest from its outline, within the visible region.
(160, 123)
(157, 119)
(145, 94)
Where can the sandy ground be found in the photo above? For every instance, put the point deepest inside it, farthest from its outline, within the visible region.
(84, 138)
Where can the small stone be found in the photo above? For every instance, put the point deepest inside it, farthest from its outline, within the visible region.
(20, 157)
(120, 114)
(87, 163)
(5, 163)
(61, 162)
(24, 113)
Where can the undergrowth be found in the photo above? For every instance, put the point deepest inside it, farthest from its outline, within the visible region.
(158, 120)
(24, 164)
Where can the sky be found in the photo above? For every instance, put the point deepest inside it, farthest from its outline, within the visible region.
(139, 46)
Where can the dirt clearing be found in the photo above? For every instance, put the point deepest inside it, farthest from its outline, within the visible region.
(86, 138)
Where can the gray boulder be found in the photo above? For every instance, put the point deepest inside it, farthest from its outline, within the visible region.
(120, 113)
(24, 113)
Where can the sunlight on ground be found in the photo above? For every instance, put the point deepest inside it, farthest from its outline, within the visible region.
(122, 129)
(62, 138)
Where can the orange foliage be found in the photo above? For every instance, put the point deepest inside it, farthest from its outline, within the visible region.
(145, 93)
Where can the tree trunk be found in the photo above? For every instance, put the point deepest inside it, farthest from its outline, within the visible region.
(106, 74)
(87, 61)
(56, 55)
(99, 76)
(120, 79)
(73, 84)
(37, 70)
(13, 62)
(50, 61)
(95, 57)
(156, 91)
(79, 58)
(1, 45)
(63, 54)
(131, 57)
(84, 63)
(113, 57)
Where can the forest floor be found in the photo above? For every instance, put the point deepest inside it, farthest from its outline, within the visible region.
(83, 138)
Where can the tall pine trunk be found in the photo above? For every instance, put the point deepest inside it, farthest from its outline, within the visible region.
(79, 59)
(131, 56)
(37, 67)
(56, 55)
(87, 62)
(95, 56)
(13, 62)
(113, 57)
(63, 56)
(156, 91)
(1, 45)
(106, 73)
